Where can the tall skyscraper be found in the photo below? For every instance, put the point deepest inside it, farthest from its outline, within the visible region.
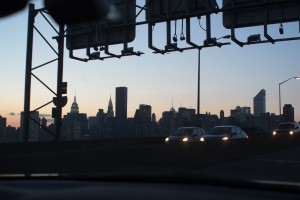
(259, 103)
(2, 127)
(75, 124)
(74, 107)
(222, 115)
(110, 109)
(121, 109)
(153, 118)
(145, 113)
(288, 113)
(97, 125)
(121, 103)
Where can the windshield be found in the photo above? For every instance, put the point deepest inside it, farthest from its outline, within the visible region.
(286, 126)
(220, 131)
(99, 94)
(183, 132)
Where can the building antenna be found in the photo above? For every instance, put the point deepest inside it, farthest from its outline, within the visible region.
(172, 103)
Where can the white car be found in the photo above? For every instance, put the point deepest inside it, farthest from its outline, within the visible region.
(224, 133)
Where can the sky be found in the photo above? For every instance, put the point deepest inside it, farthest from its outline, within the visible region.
(230, 76)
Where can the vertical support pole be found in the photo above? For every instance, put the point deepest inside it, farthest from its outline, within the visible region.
(266, 27)
(126, 21)
(150, 39)
(279, 103)
(168, 33)
(26, 114)
(208, 27)
(188, 33)
(58, 121)
(168, 23)
(198, 91)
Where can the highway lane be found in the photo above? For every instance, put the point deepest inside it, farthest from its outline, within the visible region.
(279, 166)
(256, 157)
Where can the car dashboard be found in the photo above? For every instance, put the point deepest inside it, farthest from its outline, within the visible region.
(50, 189)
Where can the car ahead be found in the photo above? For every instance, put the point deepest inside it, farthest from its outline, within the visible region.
(186, 134)
(287, 128)
(224, 133)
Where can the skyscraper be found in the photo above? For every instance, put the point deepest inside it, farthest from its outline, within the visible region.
(145, 113)
(2, 127)
(259, 103)
(222, 115)
(74, 107)
(75, 124)
(288, 113)
(110, 109)
(153, 118)
(121, 103)
(121, 109)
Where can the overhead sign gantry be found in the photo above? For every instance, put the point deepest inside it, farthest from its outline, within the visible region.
(249, 13)
(116, 21)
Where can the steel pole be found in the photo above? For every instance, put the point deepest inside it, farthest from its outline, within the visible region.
(58, 121)
(26, 113)
(280, 94)
(279, 103)
(198, 90)
(208, 27)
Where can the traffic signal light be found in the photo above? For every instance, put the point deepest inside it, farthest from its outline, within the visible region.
(54, 112)
(64, 86)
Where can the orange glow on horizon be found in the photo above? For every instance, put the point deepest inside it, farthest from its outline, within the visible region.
(13, 121)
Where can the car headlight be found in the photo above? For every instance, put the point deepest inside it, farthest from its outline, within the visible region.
(167, 139)
(274, 133)
(225, 138)
(202, 139)
(185, 139)
(291, 132)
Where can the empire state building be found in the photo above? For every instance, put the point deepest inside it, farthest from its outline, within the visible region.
(74, 107)
(75, 124)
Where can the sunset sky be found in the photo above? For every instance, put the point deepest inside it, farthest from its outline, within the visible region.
(230, 76)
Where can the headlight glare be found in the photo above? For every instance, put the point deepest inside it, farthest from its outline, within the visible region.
(225, 138)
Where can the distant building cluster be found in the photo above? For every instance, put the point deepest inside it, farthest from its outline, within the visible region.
(116, 124)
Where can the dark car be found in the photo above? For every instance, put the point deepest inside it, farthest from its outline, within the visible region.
(186, 134)
(224, 133)
(287, 128)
